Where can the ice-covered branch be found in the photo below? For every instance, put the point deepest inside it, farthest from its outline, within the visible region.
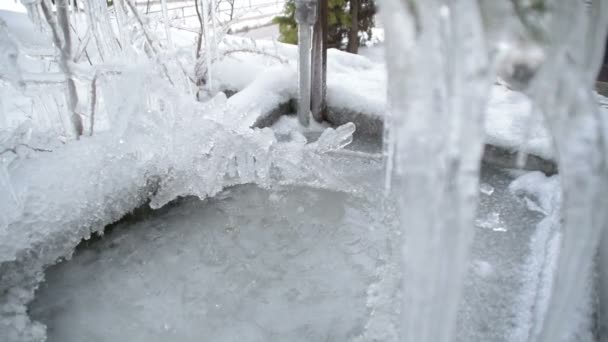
(14, 149)
(149, 40)
(93, 103)
(65, 48)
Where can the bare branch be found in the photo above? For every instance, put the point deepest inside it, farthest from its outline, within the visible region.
(14, 149)
(201, 31)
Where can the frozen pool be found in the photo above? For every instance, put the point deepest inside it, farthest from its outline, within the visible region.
(291, 264)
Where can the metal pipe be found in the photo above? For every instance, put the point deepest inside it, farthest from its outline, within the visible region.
(306, 16)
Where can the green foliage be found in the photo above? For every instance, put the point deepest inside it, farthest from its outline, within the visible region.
(338, 20)
(287, 23)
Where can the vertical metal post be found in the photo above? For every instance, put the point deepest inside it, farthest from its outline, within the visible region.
(306, 15)
(319, 63)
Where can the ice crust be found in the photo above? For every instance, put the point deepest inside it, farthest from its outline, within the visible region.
(288, 263)
(544, 195)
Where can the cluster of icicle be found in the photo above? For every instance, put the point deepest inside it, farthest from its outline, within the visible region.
(93, 44)
(220, 155)
(117, 52)
(442, 57)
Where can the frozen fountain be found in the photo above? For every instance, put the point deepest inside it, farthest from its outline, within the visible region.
(243, 231)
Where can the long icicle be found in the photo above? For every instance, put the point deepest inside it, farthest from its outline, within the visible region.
(166, 22)
(563, 89)
(205, 6)
(439, 80)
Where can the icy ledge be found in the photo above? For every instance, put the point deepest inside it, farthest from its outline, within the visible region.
(356, 92)
(62, 197)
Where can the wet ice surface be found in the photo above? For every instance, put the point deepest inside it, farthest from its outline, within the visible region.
(254, 266)
(503, 231)
(292, 264)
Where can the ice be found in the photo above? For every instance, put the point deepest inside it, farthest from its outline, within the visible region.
(290, 263)
(577, 127)
(9, 70)
(491, 221)
(157, 144)
(541, 264)
(437, 130)
(152, 142)
(121, 169)
(576, 130)
(335, 139)
(234, 269)
(483, 269)
(166, 23)
(486, 189)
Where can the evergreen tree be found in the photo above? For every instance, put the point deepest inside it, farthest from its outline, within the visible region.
(338, 20)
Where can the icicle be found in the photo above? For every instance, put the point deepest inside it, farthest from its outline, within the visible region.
(3, 120)
(100, 25)
(439, 79)
(6, 184)
(166, 22)
(563, 90)
(121, 22)
(91, 11)
(207, 46)
(214, 32)
(388, 151)
(33, 11)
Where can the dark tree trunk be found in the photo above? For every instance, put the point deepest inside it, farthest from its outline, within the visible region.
(353, 34)
(319, 64)
(231, 9)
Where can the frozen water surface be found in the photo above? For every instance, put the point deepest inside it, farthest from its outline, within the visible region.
(294, 264)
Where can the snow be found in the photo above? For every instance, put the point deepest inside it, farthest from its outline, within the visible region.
(262, 95)
(152, 146)
(357, 83)
(12, 6)
(510, 123)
